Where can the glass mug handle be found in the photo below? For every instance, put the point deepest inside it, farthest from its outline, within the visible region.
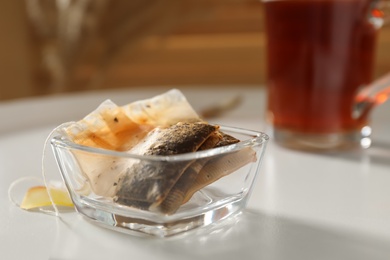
(377, 92)
(376, 13)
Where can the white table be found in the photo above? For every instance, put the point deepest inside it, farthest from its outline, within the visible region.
(304, 206)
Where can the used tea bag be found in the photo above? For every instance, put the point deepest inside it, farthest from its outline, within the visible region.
(107, 127)
(176, 195)
(116, 128)
(120, 128)
(147, 183)
(160, 126)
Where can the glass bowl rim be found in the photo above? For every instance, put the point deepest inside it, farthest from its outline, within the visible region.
(257, 139)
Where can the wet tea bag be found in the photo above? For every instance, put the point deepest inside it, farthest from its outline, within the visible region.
(163, 125)
(121, 128)
(107, 127)
(147, 183)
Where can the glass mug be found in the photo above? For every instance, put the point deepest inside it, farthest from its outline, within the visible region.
(320, 59)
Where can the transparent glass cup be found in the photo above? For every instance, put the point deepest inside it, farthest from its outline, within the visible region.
(217, 200)
(320, 61)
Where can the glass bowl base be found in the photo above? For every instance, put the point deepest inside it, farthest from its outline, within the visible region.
(160, 225)
(323, 142)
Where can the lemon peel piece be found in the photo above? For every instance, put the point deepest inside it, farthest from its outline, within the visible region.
(38, 196)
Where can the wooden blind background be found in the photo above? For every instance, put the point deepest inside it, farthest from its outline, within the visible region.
(222, 44)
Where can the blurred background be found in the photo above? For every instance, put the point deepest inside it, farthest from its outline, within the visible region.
(57, 46)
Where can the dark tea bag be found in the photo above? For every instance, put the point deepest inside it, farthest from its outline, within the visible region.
(121, 128)
(177, 194)
(147, 183)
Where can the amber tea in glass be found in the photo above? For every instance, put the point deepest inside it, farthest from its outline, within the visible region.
(320, 53)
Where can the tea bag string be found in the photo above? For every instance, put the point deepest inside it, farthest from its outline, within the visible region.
(31, 178)
(14, 184)
(45, 181)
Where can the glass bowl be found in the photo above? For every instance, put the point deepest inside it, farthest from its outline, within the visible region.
(225, 196)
